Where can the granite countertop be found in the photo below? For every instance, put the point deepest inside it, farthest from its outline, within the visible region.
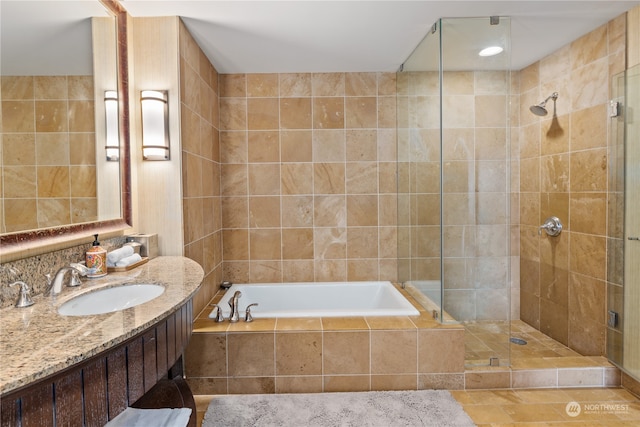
(36, 342)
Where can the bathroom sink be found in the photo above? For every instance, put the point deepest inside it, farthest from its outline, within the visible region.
(110, 299)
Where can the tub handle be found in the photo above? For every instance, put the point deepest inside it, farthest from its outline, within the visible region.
(247, 313)
(219, 317)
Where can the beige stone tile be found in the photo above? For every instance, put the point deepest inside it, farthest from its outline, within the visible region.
(298, 353)
(329, 178)
(590, 47)
(440, 381)
(361, 177)
(263, 179)
(297, 211)
(249, 385)
(591, 259)
(346, 353)
(580, 377)
(402, 360)
(393, 382)
(263, 146)
(298, 324)
(262, 85)
(449, 356)
(53, 181)
(330, 242)
(17, 87)
(328, 113)
(344, 323)
(18, 150)
(295, 84)
(539, 378)
(492, 414)
(346, 383)
(53, 212)
(83, 181)
(295, 113)
(18, 116)
(264, 211)
(487, 379)
(233, 85)
(235, 146)
(532, 412)
(295, 145)
(299, 384)
(360, 112)
(206, 355)
(328, 84)
(207, 386)
(329, 145)
(297, 243)
(81, 116)
(251, 354)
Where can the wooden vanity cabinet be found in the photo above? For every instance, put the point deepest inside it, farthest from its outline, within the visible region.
(96, 390)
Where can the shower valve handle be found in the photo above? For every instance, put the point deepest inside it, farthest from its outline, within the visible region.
(552, 226)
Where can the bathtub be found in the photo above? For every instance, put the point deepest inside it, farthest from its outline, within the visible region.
(319, 299)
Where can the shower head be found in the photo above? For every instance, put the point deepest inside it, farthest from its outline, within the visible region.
(539, 109)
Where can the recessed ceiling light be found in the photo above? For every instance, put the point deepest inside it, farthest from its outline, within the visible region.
(490, 51)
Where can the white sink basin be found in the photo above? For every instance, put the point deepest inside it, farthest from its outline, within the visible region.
(110, 299)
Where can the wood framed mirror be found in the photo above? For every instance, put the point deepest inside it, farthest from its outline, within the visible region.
(37, 239)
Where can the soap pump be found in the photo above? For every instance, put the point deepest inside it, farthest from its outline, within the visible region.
(96, 259)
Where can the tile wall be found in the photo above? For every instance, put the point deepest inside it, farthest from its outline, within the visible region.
(48, 159)
(564, 162)
(308, 176)
(202, 225)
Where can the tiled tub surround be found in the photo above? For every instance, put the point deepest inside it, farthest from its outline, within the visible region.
(295, 355)
(37, 342)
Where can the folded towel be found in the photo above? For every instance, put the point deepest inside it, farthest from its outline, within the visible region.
(114, 256)
(124, 262)
(164, 417)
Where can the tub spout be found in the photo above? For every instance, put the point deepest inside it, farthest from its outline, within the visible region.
(233, 303)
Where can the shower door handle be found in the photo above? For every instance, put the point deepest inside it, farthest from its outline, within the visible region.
(633, 238)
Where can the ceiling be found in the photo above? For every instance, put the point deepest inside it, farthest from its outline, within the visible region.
(364, 36)
(300, 36)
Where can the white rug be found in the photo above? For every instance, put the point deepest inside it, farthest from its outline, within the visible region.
(432, 408)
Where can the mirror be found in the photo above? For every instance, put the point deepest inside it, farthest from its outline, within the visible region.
(57, 183)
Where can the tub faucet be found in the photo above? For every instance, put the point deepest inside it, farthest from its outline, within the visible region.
(233, 303)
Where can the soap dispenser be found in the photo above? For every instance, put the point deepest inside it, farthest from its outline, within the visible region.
(96, 259)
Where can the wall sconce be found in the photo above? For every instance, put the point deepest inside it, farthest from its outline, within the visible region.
(112, 144)
(155, 124)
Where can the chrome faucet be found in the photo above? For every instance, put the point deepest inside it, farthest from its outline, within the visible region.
(54, 287)
(233, 303)
(552, 226)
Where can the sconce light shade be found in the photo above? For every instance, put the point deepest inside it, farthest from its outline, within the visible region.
(155, 124)
(112, 143)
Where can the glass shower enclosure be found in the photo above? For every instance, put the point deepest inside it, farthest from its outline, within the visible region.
(454, 181)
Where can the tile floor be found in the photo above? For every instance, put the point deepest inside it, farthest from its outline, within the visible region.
(549, 407)
(539, 407)
(489, 339)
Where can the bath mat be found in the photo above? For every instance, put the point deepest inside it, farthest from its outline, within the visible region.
(432, 408)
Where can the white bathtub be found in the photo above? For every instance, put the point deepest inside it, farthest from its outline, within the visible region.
(319, 299)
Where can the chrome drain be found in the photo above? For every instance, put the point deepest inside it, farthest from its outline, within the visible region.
(518, 341)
